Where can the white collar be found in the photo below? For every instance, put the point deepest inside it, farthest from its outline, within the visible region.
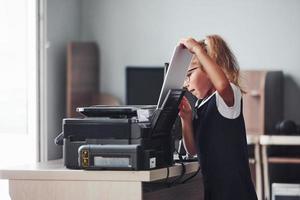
(197, 105)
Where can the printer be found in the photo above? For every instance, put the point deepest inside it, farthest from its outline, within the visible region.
(121, 137)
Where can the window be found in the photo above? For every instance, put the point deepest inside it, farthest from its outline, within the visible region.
(18, 84)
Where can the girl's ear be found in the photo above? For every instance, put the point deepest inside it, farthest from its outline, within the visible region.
(204, 72)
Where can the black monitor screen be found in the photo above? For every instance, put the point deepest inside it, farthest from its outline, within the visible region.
(143, 85)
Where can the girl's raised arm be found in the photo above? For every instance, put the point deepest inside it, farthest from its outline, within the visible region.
(213, 70)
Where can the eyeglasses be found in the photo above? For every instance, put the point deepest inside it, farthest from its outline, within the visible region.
(187, 78)
(188, 75)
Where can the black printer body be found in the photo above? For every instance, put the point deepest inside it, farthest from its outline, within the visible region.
(131, 137)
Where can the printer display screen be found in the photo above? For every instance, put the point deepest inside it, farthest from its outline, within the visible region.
(100, 161)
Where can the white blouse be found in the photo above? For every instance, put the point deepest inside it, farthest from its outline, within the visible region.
(226, 111)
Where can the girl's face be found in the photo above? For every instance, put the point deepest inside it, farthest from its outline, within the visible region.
(197, 81)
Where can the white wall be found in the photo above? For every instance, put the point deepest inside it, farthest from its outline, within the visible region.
(264, 34)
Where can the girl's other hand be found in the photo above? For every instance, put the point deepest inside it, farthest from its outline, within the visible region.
(185, 110)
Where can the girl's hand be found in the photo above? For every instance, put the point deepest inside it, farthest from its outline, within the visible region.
(191, 44)
(185, 110)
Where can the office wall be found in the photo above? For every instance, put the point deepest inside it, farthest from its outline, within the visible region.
(63, 25)
(264, 34)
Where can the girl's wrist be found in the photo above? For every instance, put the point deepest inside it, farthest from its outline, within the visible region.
(186, 121)
(195, 48)
(198, 50)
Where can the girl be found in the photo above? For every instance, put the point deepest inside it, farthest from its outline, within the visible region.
(217, 133)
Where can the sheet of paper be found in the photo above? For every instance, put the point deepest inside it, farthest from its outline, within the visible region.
(176, 72)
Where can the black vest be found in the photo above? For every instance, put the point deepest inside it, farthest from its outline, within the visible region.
(223, 154)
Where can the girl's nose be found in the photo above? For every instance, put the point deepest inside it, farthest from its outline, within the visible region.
(186, 84)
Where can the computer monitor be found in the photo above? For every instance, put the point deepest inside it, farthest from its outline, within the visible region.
(143, 84)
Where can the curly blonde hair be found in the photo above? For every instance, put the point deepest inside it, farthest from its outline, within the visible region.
(220, 52)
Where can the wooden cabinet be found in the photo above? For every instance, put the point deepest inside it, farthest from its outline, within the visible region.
(263, 100)
(262, 109)
(82, 75)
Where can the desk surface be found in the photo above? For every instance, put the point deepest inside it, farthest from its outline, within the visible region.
(280, 140)
(54, 170)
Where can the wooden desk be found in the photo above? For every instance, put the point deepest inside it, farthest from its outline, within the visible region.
(253, 139)
(51, 180)
(276, 140)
